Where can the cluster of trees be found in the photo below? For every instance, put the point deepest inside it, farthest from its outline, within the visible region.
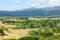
(42, 24)
(26, 23)
(47, 29)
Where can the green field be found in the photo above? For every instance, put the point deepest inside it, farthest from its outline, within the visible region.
(29, 28)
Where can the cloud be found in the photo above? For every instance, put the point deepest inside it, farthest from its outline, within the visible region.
(54, 2)
(17, 1)
(47, 3)
(44, 2)
(38, 3)
(41, 3)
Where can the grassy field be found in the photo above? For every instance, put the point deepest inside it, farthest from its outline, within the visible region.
(15, 33)
(19, 27)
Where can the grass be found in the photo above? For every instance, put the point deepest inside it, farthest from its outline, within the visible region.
(19, 33)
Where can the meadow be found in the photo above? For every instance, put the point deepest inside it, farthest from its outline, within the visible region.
(29, 28)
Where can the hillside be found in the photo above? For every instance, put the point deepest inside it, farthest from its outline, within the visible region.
(33, 11)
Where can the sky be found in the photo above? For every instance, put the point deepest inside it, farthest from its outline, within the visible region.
(23, 4)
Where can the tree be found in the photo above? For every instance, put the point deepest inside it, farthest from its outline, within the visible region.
(46, 28)
(2, 29)
(2, 33)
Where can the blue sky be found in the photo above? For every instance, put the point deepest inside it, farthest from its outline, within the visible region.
(23, 4)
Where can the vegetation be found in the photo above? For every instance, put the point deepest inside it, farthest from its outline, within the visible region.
(10, 39)
(2, 29)
(48, 28)
(29, 38)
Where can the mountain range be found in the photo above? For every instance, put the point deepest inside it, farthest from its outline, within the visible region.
(33, 12)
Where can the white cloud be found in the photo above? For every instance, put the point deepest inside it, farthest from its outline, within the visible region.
(46, 3)
(38, 3)
(54, 2)
(17, 1)
(41, 3)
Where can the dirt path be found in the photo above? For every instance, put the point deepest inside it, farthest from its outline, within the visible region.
(18, 33)
(15, 33)
(7, 26)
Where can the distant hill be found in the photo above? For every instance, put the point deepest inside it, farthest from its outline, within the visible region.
(33, 11)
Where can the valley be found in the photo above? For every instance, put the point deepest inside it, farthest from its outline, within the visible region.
(20, 27)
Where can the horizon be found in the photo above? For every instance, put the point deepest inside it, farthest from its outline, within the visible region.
(10, 5)
(30, 8)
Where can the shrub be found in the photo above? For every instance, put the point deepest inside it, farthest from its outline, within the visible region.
(33, 32)
(29, 38)
(10, 39)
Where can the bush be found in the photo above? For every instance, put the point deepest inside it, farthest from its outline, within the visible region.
(46, 34)
(33, 32)
(50, 38)
(29, 38)
(10, 39)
